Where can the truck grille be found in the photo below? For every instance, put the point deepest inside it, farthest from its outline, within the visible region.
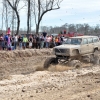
(60, 50)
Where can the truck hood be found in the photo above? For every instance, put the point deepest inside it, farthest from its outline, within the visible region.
(67, 46)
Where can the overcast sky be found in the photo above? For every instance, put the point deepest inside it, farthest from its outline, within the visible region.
(71, 12)
(74, 12)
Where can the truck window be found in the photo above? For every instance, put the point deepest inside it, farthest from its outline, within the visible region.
(85, 41)
(95, 39)
(90, 40)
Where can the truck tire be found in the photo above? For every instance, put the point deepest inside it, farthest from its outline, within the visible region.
(95, 50)
(96, 57)
(75, 64)
(50, 61)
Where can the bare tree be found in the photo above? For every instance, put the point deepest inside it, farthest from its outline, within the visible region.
(5, 5)
(41, 7)
(86, 29)
(2, 16)
(14, 6)
(6, 15)
(13, 15)
(28, 17)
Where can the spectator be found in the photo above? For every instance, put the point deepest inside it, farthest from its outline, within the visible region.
(37, 42)
(20, 40)
(2, 42)
(48, 39)
(34, 41)
(5, 40)
(30, 41)
(9, 42)
(42, 41)
(9, 32)
(44, 34)
(25, 40)
(15, 41)
(56, 41)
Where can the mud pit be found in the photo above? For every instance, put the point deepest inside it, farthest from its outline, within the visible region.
(23, 78)
(22, 61)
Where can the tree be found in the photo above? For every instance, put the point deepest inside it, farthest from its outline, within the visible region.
(97, 29)
(72, 28)
(28, 16)
(5, 13)
(41, 7)
(86, 29)
(14, 6)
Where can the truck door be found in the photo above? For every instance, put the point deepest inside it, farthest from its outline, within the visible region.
(84, 46)
(91, 45)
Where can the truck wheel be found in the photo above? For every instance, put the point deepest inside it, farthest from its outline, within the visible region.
(50, 61)
(75, 63)
(95, 50)
(96, 57)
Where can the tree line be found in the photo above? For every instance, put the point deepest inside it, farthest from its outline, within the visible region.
(85, 29)
(35, 10)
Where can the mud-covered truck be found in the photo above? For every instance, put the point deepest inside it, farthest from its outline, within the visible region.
(74, 51)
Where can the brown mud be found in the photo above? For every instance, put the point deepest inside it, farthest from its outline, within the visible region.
(22, 77)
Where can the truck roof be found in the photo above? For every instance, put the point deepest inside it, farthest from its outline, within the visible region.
(85, 36)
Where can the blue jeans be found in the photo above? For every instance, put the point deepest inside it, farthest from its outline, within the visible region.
(15, 45)
(47, 44)
(24, 44)
(20, 45)
(3, 45)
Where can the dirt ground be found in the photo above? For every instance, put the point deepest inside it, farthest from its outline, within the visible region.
(22, 78)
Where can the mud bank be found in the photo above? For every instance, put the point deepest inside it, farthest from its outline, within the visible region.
(22, 61)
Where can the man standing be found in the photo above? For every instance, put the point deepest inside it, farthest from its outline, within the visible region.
(15, 41)
(25, 40)
(30, 41)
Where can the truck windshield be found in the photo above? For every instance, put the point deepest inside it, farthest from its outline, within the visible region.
(75, 41)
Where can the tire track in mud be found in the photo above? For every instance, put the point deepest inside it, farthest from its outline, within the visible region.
(44, 82)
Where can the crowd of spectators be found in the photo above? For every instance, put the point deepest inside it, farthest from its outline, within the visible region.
(38, 41)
